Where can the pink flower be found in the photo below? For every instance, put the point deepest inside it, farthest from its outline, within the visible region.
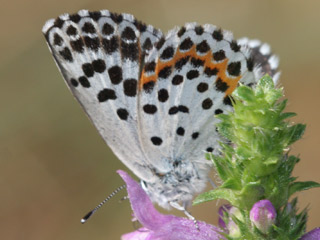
(312, 235)
(227, 223)
(263, 215)
(158, 226)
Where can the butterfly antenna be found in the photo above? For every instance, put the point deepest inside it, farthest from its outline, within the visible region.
(89, 214)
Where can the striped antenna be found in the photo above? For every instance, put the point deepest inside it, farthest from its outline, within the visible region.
(89, 214)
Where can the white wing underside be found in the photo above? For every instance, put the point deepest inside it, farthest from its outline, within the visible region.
(164, 129)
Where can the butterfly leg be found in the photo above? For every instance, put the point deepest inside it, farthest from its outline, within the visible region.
(184, 210)
(212, 183)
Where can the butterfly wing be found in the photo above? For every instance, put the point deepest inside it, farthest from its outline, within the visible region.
(265, 61)
(100, 55)
(154, 104)
(186, 81)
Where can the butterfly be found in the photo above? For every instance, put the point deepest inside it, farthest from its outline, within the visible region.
(153, 97)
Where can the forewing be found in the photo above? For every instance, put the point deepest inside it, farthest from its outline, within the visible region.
(100, 55)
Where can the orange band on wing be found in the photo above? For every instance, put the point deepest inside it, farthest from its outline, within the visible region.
(208, 62)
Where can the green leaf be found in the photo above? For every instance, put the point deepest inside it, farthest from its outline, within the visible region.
(232, 184)
(287, 115)
(301, 186)
(220, 168)
(295, 132)
(215, 194)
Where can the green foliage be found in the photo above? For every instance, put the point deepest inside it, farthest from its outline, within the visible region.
(256, 165)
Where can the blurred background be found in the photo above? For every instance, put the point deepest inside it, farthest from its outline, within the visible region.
(54, 165)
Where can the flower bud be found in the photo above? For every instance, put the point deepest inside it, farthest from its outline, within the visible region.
(227, 223)
(263, 215)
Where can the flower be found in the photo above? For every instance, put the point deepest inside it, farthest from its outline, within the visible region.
(226, 213)
(158, 226)
(312, 235)
(223, 210)
(263, 215)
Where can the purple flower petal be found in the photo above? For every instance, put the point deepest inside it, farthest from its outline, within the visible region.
(222, 210)
(160, 226)
(263, 215)
(312, 235)
(140, 234)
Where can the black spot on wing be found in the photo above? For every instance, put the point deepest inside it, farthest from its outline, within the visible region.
(234, 46)
(88, 28)
(129, 51)
(150, 67)
(234, 68)
(92, 43)
(106, 94)
(58, 22)
(180, 131)
(110, 45)
(207, 104)
(156, 141)
(117, 18)
(163, 95)
(115, 74)
(57, 39)
(211, 71)
(84, 82)
(148, 87)
(74, 82)
(122, 113)
(221, 85)
(107, 29)
(87, 69)
(180, 63)
(203, 47)
(75, 18)
(72, 31)
(195, 135)
(130, 87)
(218, 111)
(195, 62)
(181, 31)
(150, 108)
(199, 30)
(77, 45)
(192, 74)
(95, 15)
(128, 34)
(147, 45)
(177, 79)
(66, 54)
(99, 65)
(186, 44)
(219, 56)
(202, 87)
(165, 72)
(217, 35)
(160, 43)
(167, 53)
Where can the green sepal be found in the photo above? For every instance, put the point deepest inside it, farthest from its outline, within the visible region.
(244, 93)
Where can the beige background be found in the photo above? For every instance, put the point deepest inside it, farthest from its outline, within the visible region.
(54, 165)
